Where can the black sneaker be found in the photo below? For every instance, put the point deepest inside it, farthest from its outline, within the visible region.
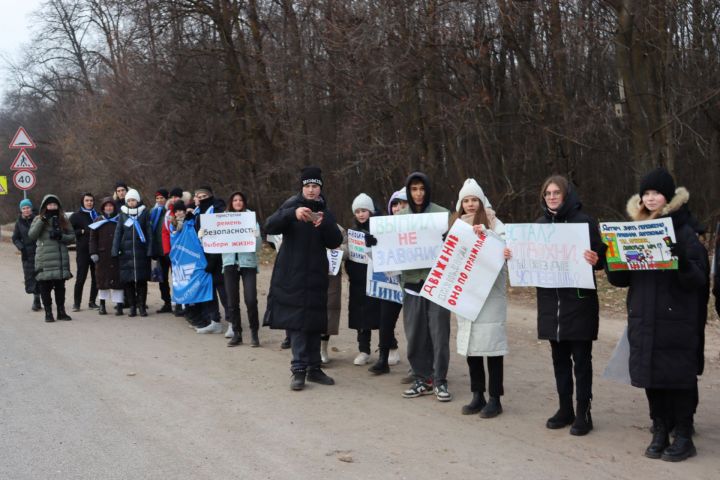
(167, 308)
(318, 376)
(417, 389)
(93, 306)
(298, 380)
(285, 343)
(76, 308)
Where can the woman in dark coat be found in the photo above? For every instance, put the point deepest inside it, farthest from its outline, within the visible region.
(133, 247)
(52, 233)
(22, 242)
(569, 317)
(363, 311)
(664, 319)
(81, 221)
(297, 300)
(107, 267)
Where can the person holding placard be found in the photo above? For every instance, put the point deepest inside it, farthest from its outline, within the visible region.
(427, 325)
(363, 311)
(297, 301)
(569, 317)
(484, 336)
(52, 233)
(133, 246)
(237, 266)
(389, 310)
(664, 319)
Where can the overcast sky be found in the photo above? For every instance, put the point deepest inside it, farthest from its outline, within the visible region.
(15, 22)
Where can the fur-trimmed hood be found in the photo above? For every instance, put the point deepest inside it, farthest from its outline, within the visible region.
(637, 211)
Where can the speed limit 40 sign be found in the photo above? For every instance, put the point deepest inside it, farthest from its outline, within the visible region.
(24, 179)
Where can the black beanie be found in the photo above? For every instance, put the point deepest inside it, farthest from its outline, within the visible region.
(311, 175)
(162, 192)
(179, 205)
(660, 180)
(120, 183)
(176, 192)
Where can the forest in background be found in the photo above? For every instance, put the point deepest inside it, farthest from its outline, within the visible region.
(240, 94)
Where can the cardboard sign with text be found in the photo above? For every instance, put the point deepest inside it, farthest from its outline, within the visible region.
(407, 242)
(357, 251)
(639, 245)
(229, 232)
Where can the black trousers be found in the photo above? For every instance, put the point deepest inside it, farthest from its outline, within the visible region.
(219, 288)
(674, 407)
(389, 314)
(233, 275)
(305, 350)
(136, 294)
(569, 356)
(363, 339)
(164, 263)
(495, 375)
(84, 264)
(46, 288)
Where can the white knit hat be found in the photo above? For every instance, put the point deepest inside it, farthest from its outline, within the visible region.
(363, 201)
(472, 189)
(132, 194)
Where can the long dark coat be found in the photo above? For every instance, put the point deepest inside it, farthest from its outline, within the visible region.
(363, 311)
(299, 284)
(22, 242)
(570, 313)
(80, 222)
(663, 306)
(107, 269)
(133, 254)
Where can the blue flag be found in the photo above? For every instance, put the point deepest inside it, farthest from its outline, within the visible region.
(191, 283)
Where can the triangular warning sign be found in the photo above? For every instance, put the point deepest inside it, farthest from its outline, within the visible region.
(23, 162)
(22, 140)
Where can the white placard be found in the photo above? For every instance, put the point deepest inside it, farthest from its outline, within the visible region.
(383, 285)
(549, 255)
(229, 232)
(334, 257)
(407, 242)
(357, 251)
(465, 270)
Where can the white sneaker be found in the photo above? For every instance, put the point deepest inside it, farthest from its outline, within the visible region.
(324, 359)
(229, 331)
(214, 327)
(362, 359)
(393, 357)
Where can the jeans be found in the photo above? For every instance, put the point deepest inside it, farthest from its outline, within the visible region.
(305, 350)
(427, 328)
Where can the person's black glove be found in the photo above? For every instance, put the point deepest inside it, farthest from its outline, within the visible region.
(444, 236)
(55, 235)
(370, 240)
(678, 251)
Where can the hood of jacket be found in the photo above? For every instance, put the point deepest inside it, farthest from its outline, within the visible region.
(426, 181)
(676, 209)
(47, 198)
(572, 203)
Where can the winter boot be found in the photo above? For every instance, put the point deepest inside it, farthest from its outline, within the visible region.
(564, 416)
(76, 307)
(254, 339)
(143, 311)
(36, 307)
(102, 310)
(682, 447)
(583, 420)
(92, 305)
(476, 404)
(381, 366)
(298, 380)
(285, 343)
(48, 314)
(660, 439)
(133, 311)
(492, 409)
(179, 310)
(119, 310)
(166, 308)
(141, 290)
(318, 376)
(236, 338)
(324, 357)
(61, 313)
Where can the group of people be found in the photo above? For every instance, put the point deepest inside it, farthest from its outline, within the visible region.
(125, 244)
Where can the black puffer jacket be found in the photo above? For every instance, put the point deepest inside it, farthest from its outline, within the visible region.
(299, 284)
(663, 306)
(22, 242)
(363, 311)
(134, 254)
(570, 313)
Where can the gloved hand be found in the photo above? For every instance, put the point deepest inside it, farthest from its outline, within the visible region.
(678, 250)
(444, 236)
(370, 240)
(95, 257)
